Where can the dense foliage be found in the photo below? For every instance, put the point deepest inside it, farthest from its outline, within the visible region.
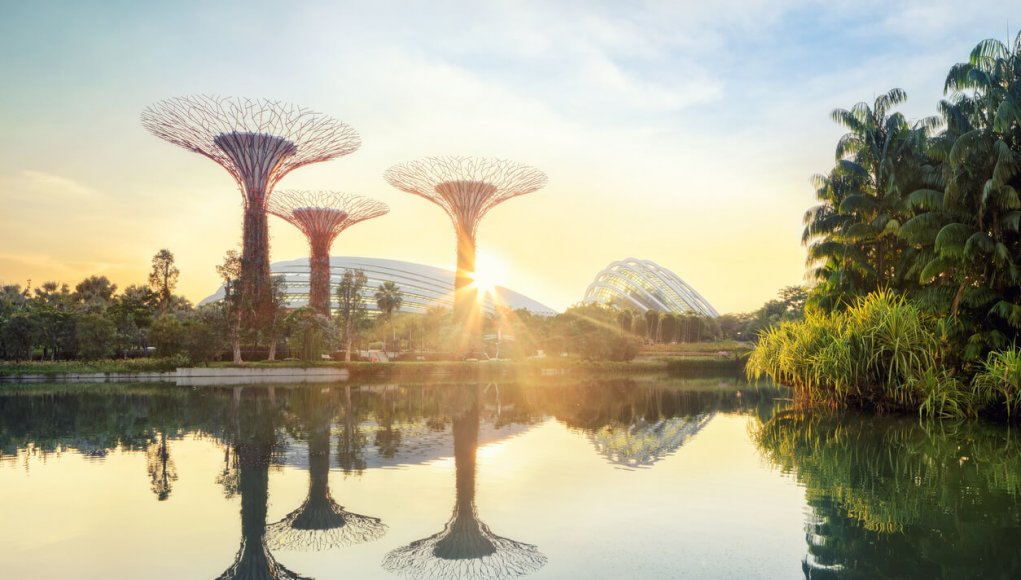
(915, 250)
(930, 209)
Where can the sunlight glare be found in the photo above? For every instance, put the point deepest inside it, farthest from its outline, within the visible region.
(490, 271)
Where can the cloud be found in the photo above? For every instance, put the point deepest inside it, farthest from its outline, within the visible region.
(30, 184)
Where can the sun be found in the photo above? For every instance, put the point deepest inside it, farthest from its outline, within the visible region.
(490, 271)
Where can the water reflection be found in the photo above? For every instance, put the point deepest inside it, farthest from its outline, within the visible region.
(635, 427)
(320, 523)
(252, 434)
(466, 548)
(237, 436)
(162, 471)
(893, 498)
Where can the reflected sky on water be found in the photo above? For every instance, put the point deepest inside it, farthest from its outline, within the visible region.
(620, 478)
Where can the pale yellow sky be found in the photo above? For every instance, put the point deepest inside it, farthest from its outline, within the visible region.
(678, 132)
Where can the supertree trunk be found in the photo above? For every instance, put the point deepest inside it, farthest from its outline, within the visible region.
(466, 188)
(322, 216)
(258, 142)
(255, 281)
(466, 291)
(319, 276)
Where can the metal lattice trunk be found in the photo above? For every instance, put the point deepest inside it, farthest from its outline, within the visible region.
(466, 188)
(258, 142)
(322, 216)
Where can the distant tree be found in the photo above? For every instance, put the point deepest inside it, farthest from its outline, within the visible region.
(625, 318)
(311, 333)
(163, 279)
(167, 335)
(639, 327)
(652, 324)
(350, 307)
(94, 294)
(18, 334)
(389, 299)
(199, 339)
(95, 334)
(54, 308)
(276, 326)
(230, 273)
(433, 323)
(667, 328)
(132, 314)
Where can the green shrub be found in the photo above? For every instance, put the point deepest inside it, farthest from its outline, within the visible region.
(883, 352)
(95, 334)
(999, 381)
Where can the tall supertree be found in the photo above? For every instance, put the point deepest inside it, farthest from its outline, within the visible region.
(466, 188)
(258, 142)
(322, 216)
(466, 548)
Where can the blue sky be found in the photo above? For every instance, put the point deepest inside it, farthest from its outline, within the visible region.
(682, 132)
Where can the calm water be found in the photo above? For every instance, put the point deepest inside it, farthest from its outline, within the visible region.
(702, 478)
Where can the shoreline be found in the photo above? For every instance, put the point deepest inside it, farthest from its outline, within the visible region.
(293, 371)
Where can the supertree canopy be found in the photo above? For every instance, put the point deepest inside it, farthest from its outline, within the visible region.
(466, 548)
(322, 216)
(258, 142)
(466, 188)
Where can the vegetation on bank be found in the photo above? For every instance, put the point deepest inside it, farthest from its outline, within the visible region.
(128, 366)
(915, 251)
(94, 322)
(888, 354)
(524, 368)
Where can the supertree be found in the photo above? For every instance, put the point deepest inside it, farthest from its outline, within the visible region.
(466, 548)
(320, 523)
(322, 216)
(466, 188)
(258, 142)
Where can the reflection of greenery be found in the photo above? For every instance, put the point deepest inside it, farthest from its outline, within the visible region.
(162, 472)
(96, 422)
(895, 499)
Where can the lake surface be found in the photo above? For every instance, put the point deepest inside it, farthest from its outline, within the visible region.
(699, 478)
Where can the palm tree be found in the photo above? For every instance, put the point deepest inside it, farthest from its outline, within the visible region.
(969, 211)
(852, 236)
(389, 299)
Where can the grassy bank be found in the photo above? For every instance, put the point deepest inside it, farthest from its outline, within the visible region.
(138, 365)
(361, 370)
(885, 354)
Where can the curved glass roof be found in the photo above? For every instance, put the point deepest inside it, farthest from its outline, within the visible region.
(645, 285)
(423, 286)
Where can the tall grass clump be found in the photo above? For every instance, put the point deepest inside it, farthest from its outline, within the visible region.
(999, 380)
(882, 353)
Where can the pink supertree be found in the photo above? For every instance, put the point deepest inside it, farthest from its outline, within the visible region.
(322, 216)
(258, 142)
(466, 188)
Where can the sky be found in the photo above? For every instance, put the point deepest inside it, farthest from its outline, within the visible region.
(681, 132)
